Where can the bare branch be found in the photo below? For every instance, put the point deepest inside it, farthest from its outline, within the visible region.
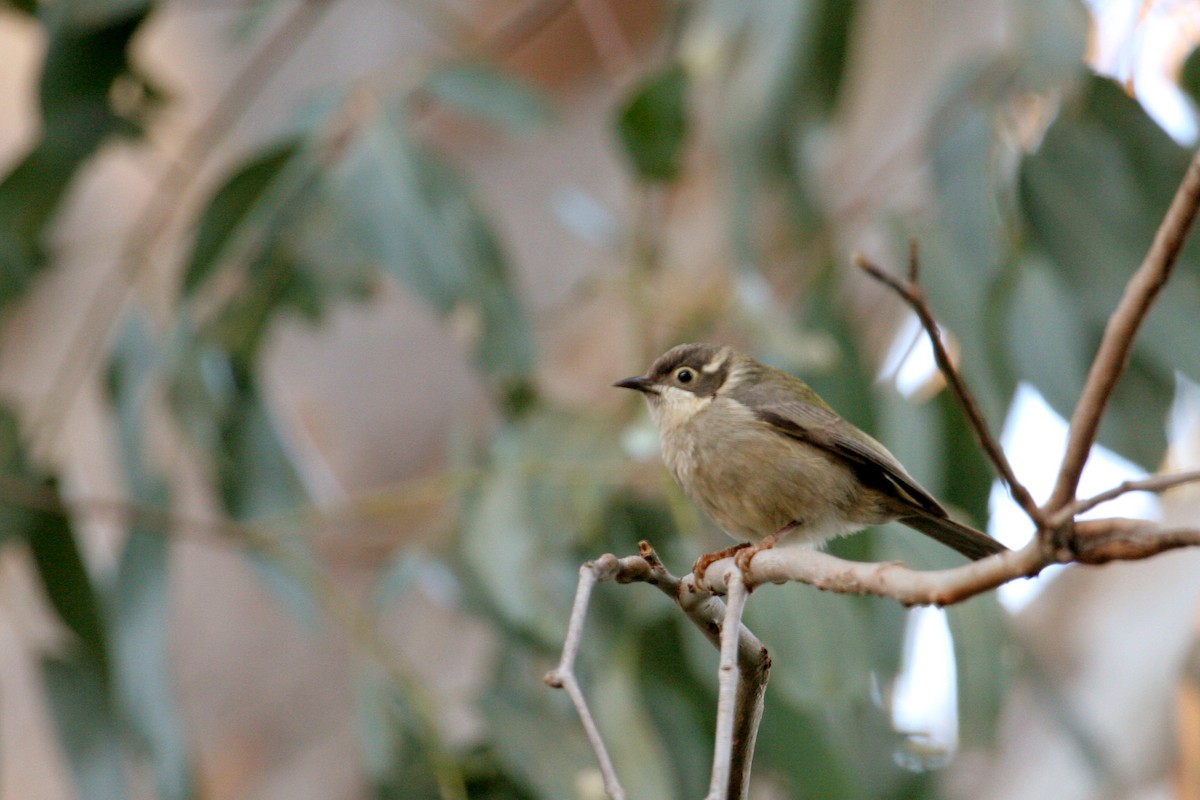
(705, 611)
(1103, 540)
(889, 579)
(1090, 542)
(1120, 331)
(563, 677)
(1155, 483)
(911, 293)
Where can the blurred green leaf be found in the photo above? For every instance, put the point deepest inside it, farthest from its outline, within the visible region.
(81, 66)
(653, 124)
(818, 642)
(1189, 76)
(410, 213)
(966, 480)
(638, 752)
(255, 473)
(798, 745)
(230, 207)
(140, 596)
(1052, 42)
(965, 241)
(682, 708)
(98, 13)
(141, 606)
(1039, 311)
(981, 657)
(828, 48)
(490, 94)
(1096, 224)
(527, 721)
(540, 497)
(266, 232)
(87, 728)
(1135, 422)
(68, 586)
(396, 760)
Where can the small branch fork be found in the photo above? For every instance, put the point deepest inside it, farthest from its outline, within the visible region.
(744, 665)
(1061, 536)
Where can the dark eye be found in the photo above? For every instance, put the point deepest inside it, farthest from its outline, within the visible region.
(684, 375)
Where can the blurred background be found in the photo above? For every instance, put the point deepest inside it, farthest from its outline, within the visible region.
(309, 312)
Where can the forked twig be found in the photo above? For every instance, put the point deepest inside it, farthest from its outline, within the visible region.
(1154, 483)
(736, 748)
(910, 292)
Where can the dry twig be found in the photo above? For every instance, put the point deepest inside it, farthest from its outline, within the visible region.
(910, 292)
(736, 745)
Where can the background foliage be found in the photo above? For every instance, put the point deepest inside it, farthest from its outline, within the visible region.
(1031, 221)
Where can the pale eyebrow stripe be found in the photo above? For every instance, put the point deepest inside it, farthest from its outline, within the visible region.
(716, 363)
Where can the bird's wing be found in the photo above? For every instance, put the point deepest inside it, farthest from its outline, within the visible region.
(822, 428)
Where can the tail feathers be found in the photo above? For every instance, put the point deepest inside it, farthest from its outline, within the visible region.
(968, 541)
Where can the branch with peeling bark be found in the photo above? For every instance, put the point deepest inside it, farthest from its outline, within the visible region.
(1060, 536)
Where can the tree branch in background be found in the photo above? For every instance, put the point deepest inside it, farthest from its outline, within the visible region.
(1120, 331)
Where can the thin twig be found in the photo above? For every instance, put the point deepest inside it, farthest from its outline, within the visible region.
(708, 614)
(1119, 333)
(911, 293)
(1155, 483)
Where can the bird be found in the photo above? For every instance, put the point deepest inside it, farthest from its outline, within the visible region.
(766, 458)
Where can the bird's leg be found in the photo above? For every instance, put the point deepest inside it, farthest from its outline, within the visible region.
(746, 555)
(708, 559)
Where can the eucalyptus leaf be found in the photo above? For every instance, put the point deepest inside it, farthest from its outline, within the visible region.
(639, 754)
(87, 727)
(490, 94)
(413, 215)
(1097, 224)
(140, 595)
(1189, 76)
(538, 741)
(653, 124)
(820, 652)
(397, 761)
(682, 708)
(541, 495)
(983, 662)
(141, 626)
(81, 66)
(69, 588)
(231, 207)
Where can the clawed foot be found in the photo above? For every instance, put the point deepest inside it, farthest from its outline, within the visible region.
(708, 559)
(743, 558)
(743, 553)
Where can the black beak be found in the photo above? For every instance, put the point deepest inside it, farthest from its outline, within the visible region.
(640, 383)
